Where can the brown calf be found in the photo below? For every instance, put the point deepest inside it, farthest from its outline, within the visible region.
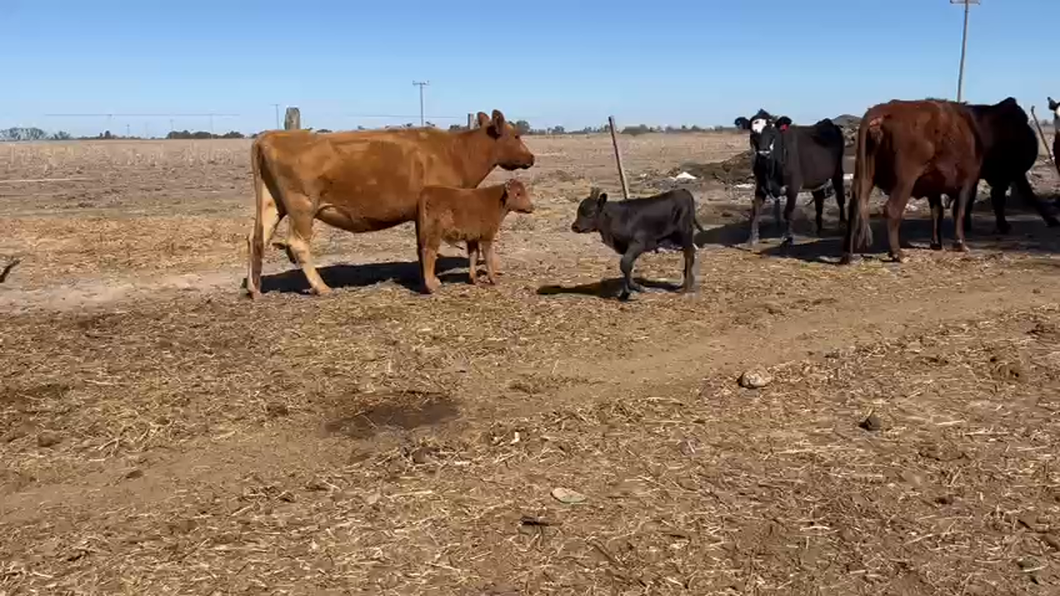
(918, 148)
(469, 215)
(472, 215)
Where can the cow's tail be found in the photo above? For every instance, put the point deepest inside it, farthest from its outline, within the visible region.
(256, 238)
(864, 173)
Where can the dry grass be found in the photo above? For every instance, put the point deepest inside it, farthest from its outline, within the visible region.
(162, 435)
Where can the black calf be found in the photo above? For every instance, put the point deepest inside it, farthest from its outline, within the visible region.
(636, 226)
(789, 159)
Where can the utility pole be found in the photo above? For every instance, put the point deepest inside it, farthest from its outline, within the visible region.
(964, 44)
(277, 106)
(421, 85)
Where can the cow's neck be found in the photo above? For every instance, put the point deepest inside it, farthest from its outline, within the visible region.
(474, 155)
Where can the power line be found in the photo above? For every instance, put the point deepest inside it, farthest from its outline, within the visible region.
(421, 85)
(964, 44)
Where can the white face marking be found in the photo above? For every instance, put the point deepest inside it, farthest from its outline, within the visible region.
(758, 125)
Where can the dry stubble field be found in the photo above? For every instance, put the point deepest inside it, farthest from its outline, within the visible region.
(160, 434)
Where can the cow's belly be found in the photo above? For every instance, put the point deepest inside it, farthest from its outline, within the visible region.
(342, 219)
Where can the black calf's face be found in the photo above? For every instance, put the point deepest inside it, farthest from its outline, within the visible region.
(1055, 109)
(588, 211)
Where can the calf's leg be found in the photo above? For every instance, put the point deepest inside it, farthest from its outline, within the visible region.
(634, 250)
(690, 264)
(428, 257)
(491, 261)
(472, 261)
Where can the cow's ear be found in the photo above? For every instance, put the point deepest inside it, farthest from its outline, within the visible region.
(1052, 104)
(498, 122)
(742, 123)
(601, 199)
(483, 120)
(783, 122)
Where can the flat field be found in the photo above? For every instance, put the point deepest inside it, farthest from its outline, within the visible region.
(161, 434)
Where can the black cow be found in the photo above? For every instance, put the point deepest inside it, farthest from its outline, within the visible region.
(789, 159)
(1055, 109)
(636, 226)
(1011, 149)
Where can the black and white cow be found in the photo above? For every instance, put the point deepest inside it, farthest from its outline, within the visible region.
(636, 226)
(789, 159)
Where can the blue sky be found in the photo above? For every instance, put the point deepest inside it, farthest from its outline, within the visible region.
(550, 62)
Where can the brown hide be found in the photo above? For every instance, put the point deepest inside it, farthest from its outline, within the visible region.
(913, 149)
(365, 181)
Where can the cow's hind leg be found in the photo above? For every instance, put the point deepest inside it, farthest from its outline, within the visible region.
(936, 221)
(997, 201)
(895, 209)
(301, 233)
(1026, 193)
(266, 220)
(839, 186)
(818, 205)
(960, 209)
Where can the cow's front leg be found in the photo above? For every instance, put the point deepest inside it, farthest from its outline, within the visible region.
(756, 213)
(626, 265)
(789, 211)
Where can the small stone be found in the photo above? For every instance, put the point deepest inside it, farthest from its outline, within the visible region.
(48, 438)
(872, 423)
(134, 473)
(568, 496)
(756, 378)
(276, 409)
(421, 456)
(1052, 540)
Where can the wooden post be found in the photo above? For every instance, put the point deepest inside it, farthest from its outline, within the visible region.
(470, 121)
(292, 119)
(1045, 141)
(618, 157)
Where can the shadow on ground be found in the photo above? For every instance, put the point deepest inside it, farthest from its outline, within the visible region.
(405, 273)
(606, 288)
(1029, 234)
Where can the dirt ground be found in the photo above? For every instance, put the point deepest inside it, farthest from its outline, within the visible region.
(161, 434)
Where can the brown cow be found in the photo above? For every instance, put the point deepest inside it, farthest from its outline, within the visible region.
(465, 215)
(913, 148)
(364, 181)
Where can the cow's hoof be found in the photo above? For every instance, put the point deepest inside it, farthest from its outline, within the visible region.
(788, 241)
(846, 259)
(936, 246)
(960, 247)
(897, 257)
(636, 287)
(624, 296)
(321, 291)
